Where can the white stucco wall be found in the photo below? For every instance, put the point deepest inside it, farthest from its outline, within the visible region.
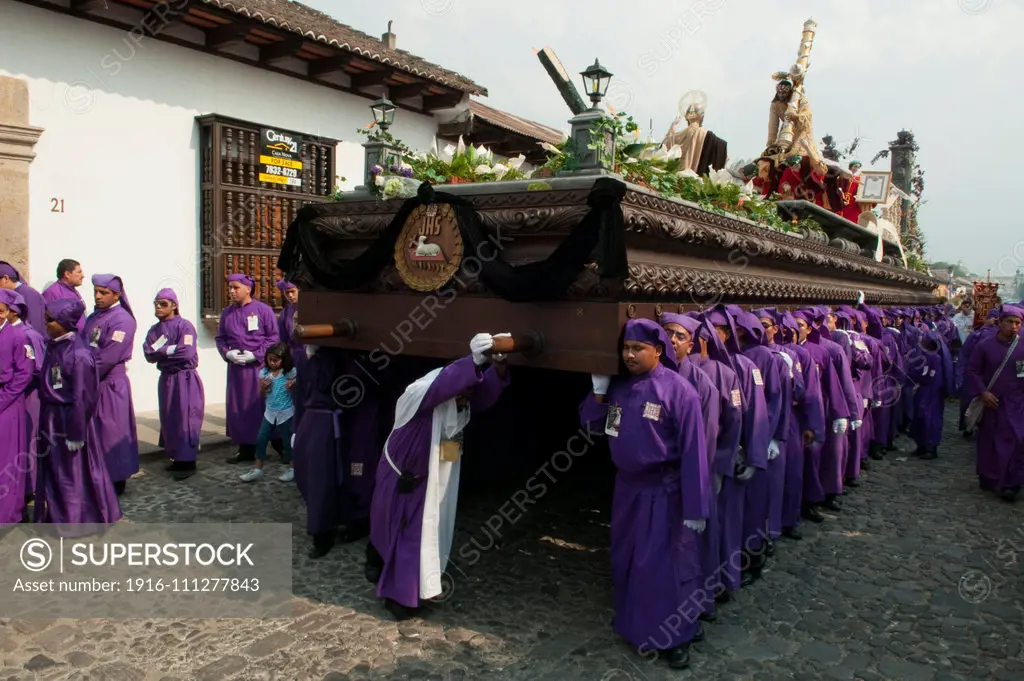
(121, 152)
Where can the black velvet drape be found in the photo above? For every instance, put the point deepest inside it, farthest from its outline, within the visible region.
(599, 236)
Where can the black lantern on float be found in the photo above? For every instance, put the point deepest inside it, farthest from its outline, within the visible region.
(383, 113)
(595, 80)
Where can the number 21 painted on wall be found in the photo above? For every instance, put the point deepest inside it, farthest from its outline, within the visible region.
(56, 205)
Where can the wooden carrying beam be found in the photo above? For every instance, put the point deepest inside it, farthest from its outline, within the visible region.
(572, 336)
(346, 328)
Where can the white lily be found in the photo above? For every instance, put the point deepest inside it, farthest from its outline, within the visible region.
(748, 189)
(657, 154)
(483, 152)
(688, 173)
(449, 153)
(516, 162)
(551, 148)
(461, 148)
(482, 169)
(379, 179)
(499, 170)
(720, 176)
(675, 151)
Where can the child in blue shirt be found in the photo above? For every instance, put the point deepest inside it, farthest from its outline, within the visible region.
(277, 381)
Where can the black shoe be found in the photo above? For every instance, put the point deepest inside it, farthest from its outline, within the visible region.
(398, 610)
(355, 531)
(852, 482)
(723, 598)
(832, 505)
(1009, 494)
(865, 465)
(322, 545)
(239, 457)
(699, 636)
(985, 486)
(708, 617)
(748, 579)
(119, 487)
(770, 548)
(812, 514)
(929, 454)
(678, 657)
(793, 533)
(877, 452)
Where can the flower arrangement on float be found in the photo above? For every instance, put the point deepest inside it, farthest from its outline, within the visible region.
(652, 166)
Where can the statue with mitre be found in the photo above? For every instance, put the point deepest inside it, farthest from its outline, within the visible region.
(702, 150)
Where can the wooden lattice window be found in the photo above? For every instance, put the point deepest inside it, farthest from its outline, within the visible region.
(247, 204)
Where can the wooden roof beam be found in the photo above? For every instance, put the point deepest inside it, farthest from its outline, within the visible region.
(286, 48)
(88, 5)
(217, 38)
(445, 101)
(370, 79)
(407, 91)
(324, 67)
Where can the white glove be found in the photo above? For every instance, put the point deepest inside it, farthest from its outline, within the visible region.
(246, 357)
(500, 356)
(74, 445)
(854, 425)
(773, 450)
(696, 525)
(932, 372)
(839, 426)
(171, 349)
(293, 441)
(860, 297)
(876, 403)
(232, 355)
(865, 403)
(311, 350)
(718, 484)
(746, 474)
(478, 345)
(601, 383)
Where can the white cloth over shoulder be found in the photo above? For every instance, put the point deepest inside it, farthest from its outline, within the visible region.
(442, 492)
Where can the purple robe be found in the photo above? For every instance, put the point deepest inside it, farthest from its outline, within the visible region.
(17, 367)
(729, 501)
(251, 327)
(711, 404)
(318, 457)
(837, 445)
(1000, 435)
(29, 337)
(834, 406)
(171, 345)
(111, 335)
(808, 414)
(58, 290)
(885, 392)
(661, 480)
(966, 350)
(930, 374)
(396, 517)
(35, 306)
(71, 487)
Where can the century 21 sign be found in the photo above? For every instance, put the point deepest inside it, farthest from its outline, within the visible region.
(280, 158)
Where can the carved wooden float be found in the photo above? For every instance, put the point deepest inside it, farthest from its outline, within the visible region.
(564, 262)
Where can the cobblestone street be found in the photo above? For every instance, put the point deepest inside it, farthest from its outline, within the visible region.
(916, 579)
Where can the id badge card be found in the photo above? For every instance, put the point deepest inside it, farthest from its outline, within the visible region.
(159, 343)
(450, 451)
(1020, 368)
(253, 323)
(56, 380)
(613, 421)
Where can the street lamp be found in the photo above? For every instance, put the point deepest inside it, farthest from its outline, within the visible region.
(595, 81)
(383, 113)
(584, 126)
(378, 147)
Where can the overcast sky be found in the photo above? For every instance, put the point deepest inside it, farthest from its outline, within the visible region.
(947, 69)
